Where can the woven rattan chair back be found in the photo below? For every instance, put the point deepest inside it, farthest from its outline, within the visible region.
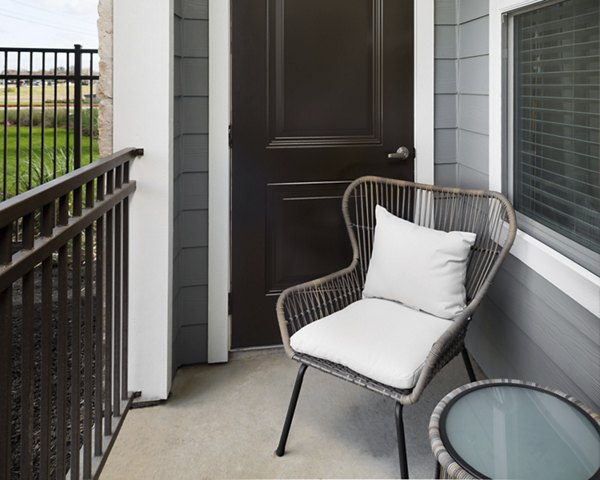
(487, 214)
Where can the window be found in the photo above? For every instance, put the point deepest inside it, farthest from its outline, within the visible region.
(554, 126)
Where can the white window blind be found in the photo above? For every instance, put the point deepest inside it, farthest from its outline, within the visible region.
(556, 157)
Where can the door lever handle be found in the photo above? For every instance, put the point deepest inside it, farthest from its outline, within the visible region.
(401, 154)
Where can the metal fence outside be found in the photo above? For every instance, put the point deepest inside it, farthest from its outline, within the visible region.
(49, 114)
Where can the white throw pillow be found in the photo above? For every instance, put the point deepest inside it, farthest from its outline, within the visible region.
(420, 267)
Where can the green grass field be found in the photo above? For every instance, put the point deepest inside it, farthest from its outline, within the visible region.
(25, 180)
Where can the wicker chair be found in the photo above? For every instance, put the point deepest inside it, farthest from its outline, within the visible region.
(487, 214)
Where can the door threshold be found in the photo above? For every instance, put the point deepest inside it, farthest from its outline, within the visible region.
(256, 349)
(248, 353)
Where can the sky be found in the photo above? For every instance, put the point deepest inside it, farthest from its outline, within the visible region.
(48, 23)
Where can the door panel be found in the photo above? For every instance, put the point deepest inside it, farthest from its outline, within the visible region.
(322, 92)
(305, 233)
(324, 83)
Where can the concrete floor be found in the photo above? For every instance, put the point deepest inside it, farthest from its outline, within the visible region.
(224, 421)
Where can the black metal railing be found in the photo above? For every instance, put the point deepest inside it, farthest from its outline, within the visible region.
(63, 321)
(49, 122)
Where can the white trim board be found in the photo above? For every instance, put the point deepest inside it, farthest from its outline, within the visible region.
(424, 28)
(574, 280)
(219, 176)
(219, 162)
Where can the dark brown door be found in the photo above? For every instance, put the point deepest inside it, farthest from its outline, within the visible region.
(322, 92)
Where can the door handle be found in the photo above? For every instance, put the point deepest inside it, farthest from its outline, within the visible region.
(401, 154)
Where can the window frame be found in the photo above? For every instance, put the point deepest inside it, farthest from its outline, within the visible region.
(578, 253)
(578, 282)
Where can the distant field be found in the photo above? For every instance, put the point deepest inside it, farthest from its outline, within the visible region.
(36, 156)
(36, 94)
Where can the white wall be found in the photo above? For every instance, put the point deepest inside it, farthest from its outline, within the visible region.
(143, 117)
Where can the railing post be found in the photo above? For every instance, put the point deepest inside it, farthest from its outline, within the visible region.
(30, 122)
(77, 114)
(18, 118)
(6, 351)
(27, 355)
(5, 132)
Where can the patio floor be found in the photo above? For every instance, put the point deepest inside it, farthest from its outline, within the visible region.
(224, 421)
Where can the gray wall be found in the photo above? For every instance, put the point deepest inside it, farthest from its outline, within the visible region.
(461, 90)
(472, 82)
(526, 328)
(446, 93)
(190, 145)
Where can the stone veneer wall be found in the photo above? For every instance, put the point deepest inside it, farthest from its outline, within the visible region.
(105, 85)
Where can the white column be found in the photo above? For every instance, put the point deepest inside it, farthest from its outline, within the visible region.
(143, 117)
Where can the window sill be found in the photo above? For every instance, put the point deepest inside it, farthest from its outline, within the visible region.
(569, 277)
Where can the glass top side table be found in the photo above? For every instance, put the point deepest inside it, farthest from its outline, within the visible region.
(514, 429)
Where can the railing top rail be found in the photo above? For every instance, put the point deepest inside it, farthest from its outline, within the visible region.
(47, 50)
(29, 201)
(25, 260)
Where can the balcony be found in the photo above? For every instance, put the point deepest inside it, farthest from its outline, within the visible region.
(224, 419)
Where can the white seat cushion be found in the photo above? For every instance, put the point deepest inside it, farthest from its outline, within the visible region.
(380, 339)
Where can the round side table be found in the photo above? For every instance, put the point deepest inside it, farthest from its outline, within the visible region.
(514, 429)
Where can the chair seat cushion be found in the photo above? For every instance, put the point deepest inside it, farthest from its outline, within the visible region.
(379, 339)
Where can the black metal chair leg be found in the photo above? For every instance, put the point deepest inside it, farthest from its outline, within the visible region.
(401, 442)
(468, 365)
(291, 409)
(437, 472)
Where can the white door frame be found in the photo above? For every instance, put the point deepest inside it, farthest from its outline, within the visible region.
(219, 159)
